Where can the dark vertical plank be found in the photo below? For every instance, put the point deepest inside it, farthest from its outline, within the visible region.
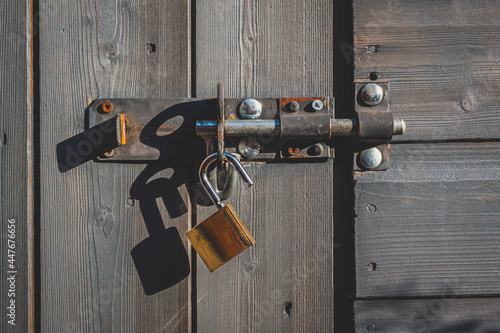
(442, 60)
(428, 315)
(16, 168)
(430, 223)
(93, 215)
(344, 264)
(268, 49)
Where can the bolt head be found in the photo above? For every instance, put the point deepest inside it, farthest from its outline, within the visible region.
(317, 105)
(370, 158)
(250, 109)
(249, 147)
(372, 94)
(294, 106)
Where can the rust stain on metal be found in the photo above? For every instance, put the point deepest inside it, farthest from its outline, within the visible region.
(285, 101)
(107, 107)
(123, 129)
(293, 151)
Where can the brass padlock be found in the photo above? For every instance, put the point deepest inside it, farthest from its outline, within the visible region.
(223, 235)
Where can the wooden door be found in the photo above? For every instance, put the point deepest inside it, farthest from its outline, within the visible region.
(92, 215)
(427, 231)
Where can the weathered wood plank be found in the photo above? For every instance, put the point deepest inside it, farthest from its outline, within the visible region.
(93, 215)
(434, 59)
(428, 315)
(16, 168)
(268, 49)
(431, 223)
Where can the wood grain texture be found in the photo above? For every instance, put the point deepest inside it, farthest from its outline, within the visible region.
(271, 49)
(96, 49)
(428, 315)
(434, 54)
(431, 223)
(16, 166)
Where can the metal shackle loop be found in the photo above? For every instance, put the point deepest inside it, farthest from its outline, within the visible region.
(208, 186)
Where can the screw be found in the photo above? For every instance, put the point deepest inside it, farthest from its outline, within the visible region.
(370, 328)
(317, 105)
(107, 106)
(372, 94)
(250, 109)
(370, 158)
(109, 153)
(249, 147)
(294, 106)
(316, 150)
(371, 49)
(372, 266)
(372, 208)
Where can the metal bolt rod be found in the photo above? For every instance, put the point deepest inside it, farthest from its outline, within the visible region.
(338, 127)
(240, 127)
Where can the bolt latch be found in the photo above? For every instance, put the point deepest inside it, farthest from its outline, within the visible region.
(258, 129)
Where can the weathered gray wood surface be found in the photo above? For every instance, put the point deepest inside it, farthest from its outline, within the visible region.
(428, 315)
(434, 53)
(16, 164)
(431, 223)
(269, 49)
(90, 50)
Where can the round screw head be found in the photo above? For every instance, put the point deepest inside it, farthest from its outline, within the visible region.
(372, 94)
(249, 147)
(250, 109)
(107, 107)
(370, 158)
(317, 105)
(294, 106)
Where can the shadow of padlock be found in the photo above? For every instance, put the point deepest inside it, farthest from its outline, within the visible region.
(223, 235)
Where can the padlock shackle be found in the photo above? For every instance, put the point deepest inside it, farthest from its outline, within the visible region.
(208, 186)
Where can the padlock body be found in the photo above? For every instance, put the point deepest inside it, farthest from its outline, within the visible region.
(220, 238)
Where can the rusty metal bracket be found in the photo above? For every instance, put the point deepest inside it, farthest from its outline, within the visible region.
(376, 126)
(264, 129)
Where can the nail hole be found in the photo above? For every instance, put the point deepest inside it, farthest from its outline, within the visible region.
(372, 266)
(3, 140)
(372, 208)
(288, 308)
(150, 48)
(373, 76)
(370, 328)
